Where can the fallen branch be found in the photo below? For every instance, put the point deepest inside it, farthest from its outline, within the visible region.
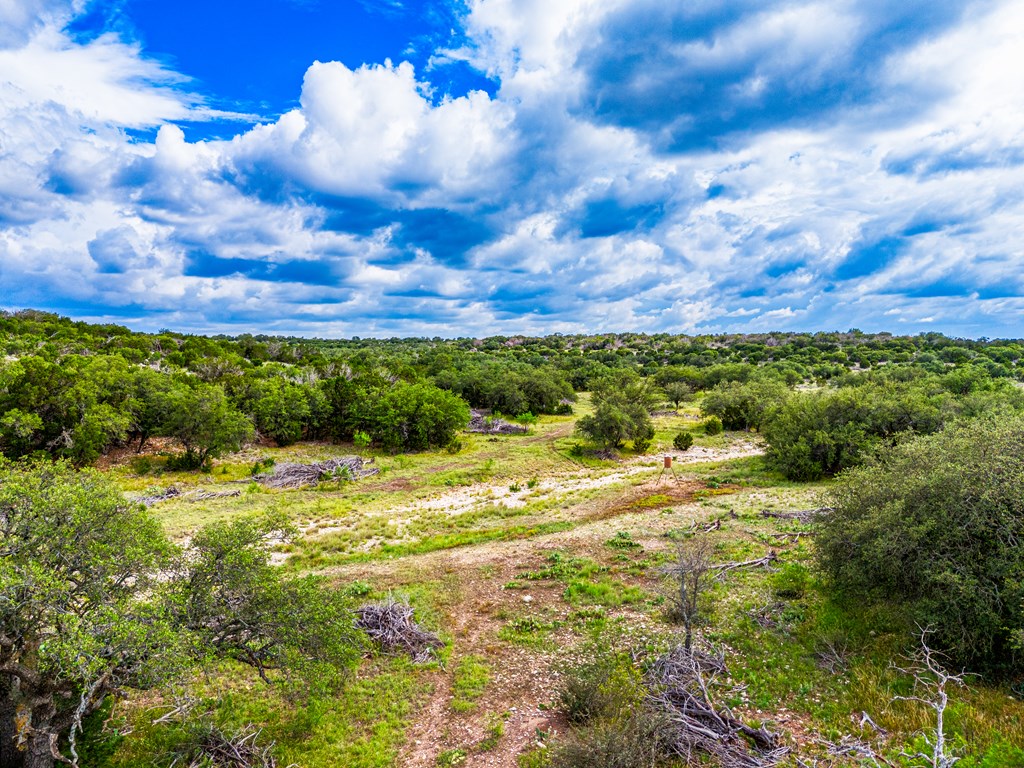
(761, 562)
(803, 515)
(175, 493)
(156, 498)
(483, 424)
(207, 495)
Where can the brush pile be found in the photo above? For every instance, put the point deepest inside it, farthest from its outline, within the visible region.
(680, 684)
(484, 424)
(392, 626)
(213, 748)
(175, 493)
(158, 496)
(300, 475)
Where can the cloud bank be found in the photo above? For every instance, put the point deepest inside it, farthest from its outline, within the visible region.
(719, 166)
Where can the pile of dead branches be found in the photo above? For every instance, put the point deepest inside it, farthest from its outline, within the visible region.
(175, 493)
(299, 475)
(489, 425)
(391, 624)
(155, 498)
(213, 748)
(680, 685)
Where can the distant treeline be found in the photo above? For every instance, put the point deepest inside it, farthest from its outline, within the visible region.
(75, 389)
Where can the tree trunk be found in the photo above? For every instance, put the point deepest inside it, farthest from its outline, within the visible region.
(38, 754)
(10, 755)
(38, 751)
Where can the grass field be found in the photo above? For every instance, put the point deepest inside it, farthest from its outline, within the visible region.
(522, 553)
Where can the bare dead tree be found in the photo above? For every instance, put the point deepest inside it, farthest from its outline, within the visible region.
(931, 685)
(692, 574)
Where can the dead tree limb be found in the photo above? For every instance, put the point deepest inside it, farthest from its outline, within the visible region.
(760, 562)
(803, 515)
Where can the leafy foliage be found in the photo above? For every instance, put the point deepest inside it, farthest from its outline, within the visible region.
(937, 527)
(744, 406)
(94, 599)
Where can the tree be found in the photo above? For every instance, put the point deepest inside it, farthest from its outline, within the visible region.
(205, 423)
(615, 420)
(677, 392)
(744, 406)
(935, 527)
(692, 577)
(282, 410)
(75, 625)
(414, 417)
(94, 600)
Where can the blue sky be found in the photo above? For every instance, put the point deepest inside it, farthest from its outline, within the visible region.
(385, 167)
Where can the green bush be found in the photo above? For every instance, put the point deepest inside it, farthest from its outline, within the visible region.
(141, 465)
(744, 406)
(936, 527)
(683, 441)
(712, 425)
(599, 689)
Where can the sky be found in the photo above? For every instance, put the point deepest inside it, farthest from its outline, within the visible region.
(342, 168)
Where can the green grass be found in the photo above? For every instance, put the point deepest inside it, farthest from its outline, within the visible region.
(469, 679)
(604, 591)
(363, 726)
(530, 631)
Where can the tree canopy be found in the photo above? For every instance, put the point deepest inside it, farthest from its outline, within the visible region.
(94, 600)
(936, 525)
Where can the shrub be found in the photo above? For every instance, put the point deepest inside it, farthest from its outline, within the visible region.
(683, 441)
(600, 688)
(630, 743)
(141, 465)
(712, 425)
(936, 528)
(744, 406)
(361, 439)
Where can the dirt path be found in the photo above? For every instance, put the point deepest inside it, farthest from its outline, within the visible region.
(524, 682)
